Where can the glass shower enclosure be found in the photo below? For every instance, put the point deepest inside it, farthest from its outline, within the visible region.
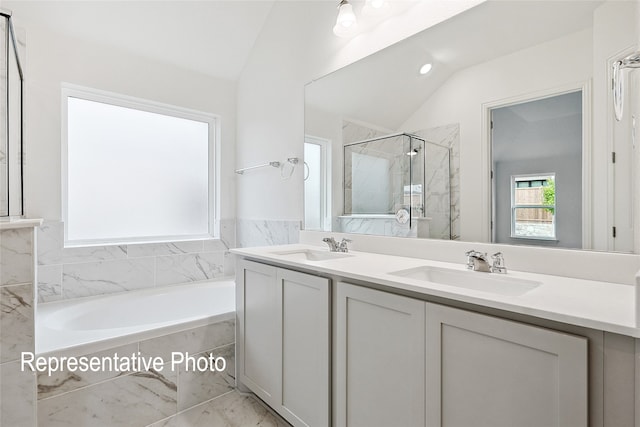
(397, 185)
(11, 127)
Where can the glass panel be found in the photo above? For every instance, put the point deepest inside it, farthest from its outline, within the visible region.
(376, 174)
(534, 203)
(535, 191)
(133, 173)
(536, 222)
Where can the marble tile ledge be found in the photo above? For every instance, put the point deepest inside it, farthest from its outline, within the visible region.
(11, 224)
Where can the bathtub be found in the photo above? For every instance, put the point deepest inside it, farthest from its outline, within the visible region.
(98, 323)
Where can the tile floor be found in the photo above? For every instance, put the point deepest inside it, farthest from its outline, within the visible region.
(233, 409)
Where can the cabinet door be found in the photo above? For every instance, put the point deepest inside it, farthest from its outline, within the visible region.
(380, 358)
(485, 371)
(304, 307)
(258, 331)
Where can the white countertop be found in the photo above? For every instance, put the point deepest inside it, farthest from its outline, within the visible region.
(592, 304)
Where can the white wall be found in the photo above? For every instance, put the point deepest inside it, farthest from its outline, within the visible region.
(77, 272)
(295, 46)
(52, 58)
(460, 99)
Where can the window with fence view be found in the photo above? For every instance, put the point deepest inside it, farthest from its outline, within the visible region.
(533, 206)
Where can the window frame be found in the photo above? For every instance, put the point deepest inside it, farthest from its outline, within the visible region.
(514, 180)
(85, 93)
(325, 179)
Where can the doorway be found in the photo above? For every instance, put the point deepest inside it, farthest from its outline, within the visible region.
(536, 171)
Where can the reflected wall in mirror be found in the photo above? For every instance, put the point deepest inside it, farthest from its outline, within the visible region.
(541, 72)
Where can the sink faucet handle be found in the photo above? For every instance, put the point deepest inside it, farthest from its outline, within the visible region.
(343, 246)
(475, 254)
(331, 242)
(498, 263)
(471, 255)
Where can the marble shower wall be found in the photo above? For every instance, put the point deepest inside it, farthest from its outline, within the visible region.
(66, 273)
(262, 232)
(17, 399)
(442, 200)
(354, 132)
(448, 136)
(381, 225)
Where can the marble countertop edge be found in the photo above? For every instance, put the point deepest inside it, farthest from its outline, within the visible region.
(10, 224)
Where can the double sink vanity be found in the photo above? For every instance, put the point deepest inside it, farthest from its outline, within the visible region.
(365, 339)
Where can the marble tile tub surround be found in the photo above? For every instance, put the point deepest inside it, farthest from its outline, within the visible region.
(137, 399)
(17, 388)
(66, 273)
(265, 232)
(588, 265)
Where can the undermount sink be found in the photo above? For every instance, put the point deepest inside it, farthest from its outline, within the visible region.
(485, 282)
(310, 255)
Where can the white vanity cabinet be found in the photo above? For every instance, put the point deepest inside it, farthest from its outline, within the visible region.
(405, 362)
(380, 354)
(486, 371)
(283, 341)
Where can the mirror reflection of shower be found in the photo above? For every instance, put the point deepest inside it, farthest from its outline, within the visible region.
(11, 128)
(397, 185)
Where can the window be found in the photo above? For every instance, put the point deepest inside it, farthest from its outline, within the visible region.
(317, 187)
(135, 171)
(533, 206)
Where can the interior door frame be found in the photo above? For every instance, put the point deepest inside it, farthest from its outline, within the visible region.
(487, 211)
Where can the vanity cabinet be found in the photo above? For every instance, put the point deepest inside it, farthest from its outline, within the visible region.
(402, 361)
(486, 371)
(380, 353)
(283, 351)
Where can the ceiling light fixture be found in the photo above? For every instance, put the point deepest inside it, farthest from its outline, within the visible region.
(425, 68)
(346, 23)
(376, 7)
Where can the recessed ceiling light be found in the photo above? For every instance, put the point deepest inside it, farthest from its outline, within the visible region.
(425, 68)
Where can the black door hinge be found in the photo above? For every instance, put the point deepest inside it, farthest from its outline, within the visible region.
(613, 157)
(614, 232)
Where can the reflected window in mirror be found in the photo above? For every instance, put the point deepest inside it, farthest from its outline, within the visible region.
(533, 206)
(317, 191)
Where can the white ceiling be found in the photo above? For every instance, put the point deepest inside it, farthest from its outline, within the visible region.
(385, 88)
(211, 37)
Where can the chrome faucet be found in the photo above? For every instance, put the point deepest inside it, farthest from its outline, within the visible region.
(498, 263)
(334, 246)
(477, 261)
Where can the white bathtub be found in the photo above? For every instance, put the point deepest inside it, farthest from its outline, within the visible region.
(98, 323)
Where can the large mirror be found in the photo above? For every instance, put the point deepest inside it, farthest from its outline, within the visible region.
(507, 136)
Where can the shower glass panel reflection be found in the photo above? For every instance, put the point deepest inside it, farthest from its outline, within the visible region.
(11, 142)
(397, 185)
